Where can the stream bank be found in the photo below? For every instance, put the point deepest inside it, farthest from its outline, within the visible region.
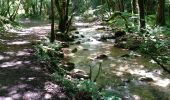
(126, 73)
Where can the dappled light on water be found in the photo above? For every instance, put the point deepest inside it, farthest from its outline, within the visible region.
(142, 72)
(120, 67)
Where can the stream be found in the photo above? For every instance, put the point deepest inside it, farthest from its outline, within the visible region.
(132, 77)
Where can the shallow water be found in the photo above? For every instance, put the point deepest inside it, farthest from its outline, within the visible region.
(119, 74)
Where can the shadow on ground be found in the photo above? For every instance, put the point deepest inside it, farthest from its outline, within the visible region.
(21, 78)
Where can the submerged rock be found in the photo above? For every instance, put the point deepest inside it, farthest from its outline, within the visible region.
(102, 56)
(74, 50)
(76, 32)
(125, 55)
(82, 36)
(78, 42)
(146, 79)
(105, 37)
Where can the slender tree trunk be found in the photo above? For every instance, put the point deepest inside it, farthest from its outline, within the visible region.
(119, 5)
(150, 7)
(41, 6)
(63, 9)
(169, 12)
(14, 14)
(141, 15)
(134, 10)
(160, 15)
(52, 38)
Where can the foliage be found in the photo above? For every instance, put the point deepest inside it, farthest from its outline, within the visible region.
(50, 55)
(156, 45)
(68, 85)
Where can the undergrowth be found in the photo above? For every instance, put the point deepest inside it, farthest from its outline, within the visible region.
(50, 55)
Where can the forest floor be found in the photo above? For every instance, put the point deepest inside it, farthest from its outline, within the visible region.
(21, 78)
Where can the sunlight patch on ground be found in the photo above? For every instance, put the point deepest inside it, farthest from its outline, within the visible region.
(39, 30)
(10, 53)
(19, 43)
(3, 57)
(1, 40)
(22, 53)
(15, 93)
(13, 63)
(10, 64)
(20, 32)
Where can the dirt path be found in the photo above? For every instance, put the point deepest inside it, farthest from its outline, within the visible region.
(20, 76)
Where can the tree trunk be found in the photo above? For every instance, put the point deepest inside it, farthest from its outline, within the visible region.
(41, 6)
(150, 7)
(169, 12)
(119, 6)
(63, 9)
(134, 10)
(160, 15)
(141, 15)
(52, 38)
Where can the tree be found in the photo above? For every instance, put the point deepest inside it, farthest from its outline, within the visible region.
(150, 6)
(52, 38)
(160, 15)
(134, 10)
(63, 10)
(119, 5)
(141, 15)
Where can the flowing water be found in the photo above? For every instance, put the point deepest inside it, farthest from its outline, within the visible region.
(133, 77)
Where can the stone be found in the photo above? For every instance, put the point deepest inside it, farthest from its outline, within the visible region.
(78, 42)
(120, 33)
(69, 66)
(82, 36)
(65, 45)
(59, 54)
(76, 32)
(146, 79)
(102, 56)
(79, 74)
(125, 55)
(74, 50)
